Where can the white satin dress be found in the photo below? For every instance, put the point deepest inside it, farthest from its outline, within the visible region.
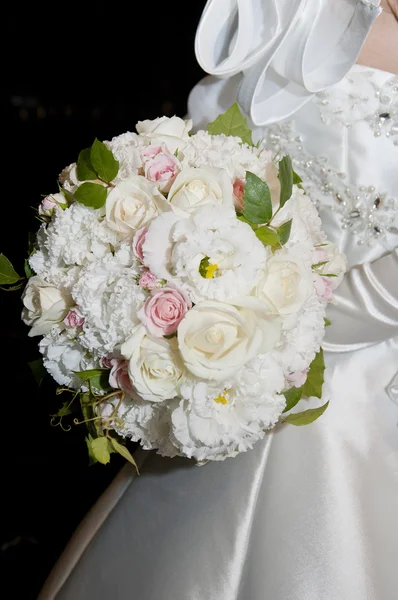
(312, 512)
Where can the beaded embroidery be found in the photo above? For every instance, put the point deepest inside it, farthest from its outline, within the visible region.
(366, 212)
(370, 214)
(378, 106)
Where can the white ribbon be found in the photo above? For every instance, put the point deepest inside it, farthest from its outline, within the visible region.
(287, 49)
(233, 34)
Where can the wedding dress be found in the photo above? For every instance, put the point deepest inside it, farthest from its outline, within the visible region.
(311, 513)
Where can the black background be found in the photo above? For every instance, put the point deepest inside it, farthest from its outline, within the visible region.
(71, 72)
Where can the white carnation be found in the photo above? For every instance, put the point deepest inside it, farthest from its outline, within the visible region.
(214, 422)
(108, 298)
(126, 148)
(74, 238)
(225, 152)
(63, 355)
(174, 250)
(306, 228)
(136, 419)
(302, 342)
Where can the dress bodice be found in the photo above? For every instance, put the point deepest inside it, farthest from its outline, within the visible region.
(344, 145)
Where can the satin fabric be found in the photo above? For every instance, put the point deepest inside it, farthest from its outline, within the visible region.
(366, 306)
(311, 512)
(294, 48)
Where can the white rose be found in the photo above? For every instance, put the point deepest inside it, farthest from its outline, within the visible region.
(286, 283)
(194, 188)
(63, 357)
(130, 205)
(272, 179)
(44, 305)
(216, 339)
(171, 131)
(155, 368)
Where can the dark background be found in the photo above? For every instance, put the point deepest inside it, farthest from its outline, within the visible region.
(71, 72)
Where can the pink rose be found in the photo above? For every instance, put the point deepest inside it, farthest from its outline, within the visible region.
(151, 152)
(320, 255)
(119, 376)
(238, 191)
(48, 204)
(138, 242)
(163, 311)
(162, 170)
(148, 280)
(73, 319)
(297, 379)
(323, 287)
(106, 362)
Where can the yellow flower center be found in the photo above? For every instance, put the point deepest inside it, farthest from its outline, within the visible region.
(210, 271)
(221, 399)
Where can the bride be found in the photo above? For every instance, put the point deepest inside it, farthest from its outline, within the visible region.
(308, 514)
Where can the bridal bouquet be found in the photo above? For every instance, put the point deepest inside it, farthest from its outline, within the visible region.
(178, 285)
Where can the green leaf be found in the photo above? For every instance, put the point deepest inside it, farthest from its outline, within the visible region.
(85, 170)
(69, 197)
(86, 375)
(233, 123)
(204, 263)
(92, 458)
(306, 417)
(103, 161)
(123, 451)
(328, 274)
(319, 264)
(296, 178)
(8, 275)
(38, 370)
(91, 194)
(327, 322)
(244, 220)
(31, 243)
(267, 236)
(293, 396)
(100, 449)
(257, 205)
(29, 272)
(315, 377)
(98, 378)
(285, 179)
(284, 231)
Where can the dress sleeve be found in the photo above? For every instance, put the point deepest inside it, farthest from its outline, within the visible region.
(366, 309)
